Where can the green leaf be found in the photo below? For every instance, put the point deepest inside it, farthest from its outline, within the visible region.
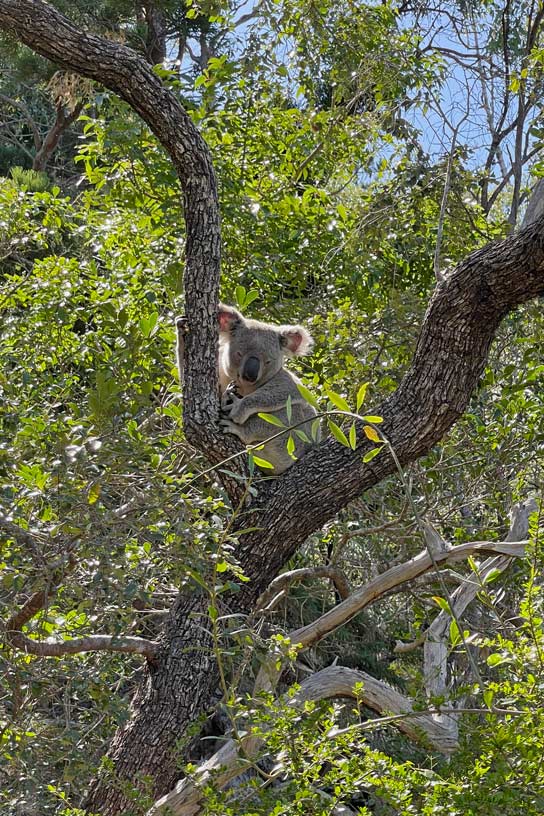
(361, 394)
(442, 603)
(148, 325)
(316, 427)
(353, 437)
(338, 433)
(213, 613)
(252, 295)
(497, 659)
(272, 419)
(369, 455)
(240, 295)
(289, 408)
(308, 396)
(492, 575)
(488, 696)
(262, 463)
(291, 447)
(302, 435)
(473, 565)
(455, 635)
(375, 419)
(337, 400)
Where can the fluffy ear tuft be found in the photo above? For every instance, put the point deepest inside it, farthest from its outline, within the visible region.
(228, 317)
(295, 340)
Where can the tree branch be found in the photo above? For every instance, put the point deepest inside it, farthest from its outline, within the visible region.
(38, 600)
(233, 758)
(90, 643)
(44, 29)
(279, 585)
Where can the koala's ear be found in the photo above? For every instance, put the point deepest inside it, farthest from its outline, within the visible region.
(295, 340)
(228, 318)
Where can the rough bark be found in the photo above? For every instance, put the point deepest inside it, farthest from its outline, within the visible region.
(155, 45)
(460, 323)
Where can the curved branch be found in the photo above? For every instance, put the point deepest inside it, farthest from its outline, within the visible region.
(460, 323)
(90, 643)
(51, 648)
(277, 588)
(399, 574)
(335, 681)
(49, 33)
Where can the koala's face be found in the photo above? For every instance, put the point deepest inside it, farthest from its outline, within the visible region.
(252, 355)
(252, 352)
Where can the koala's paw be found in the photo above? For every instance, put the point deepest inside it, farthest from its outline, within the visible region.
(229, 427)
(182, 325)
(230, 401)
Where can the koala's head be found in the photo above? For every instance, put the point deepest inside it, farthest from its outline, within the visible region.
(251, 351)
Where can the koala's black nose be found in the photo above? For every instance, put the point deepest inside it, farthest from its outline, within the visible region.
(250, 371)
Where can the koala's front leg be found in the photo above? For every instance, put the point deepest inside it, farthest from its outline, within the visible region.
(253, 430)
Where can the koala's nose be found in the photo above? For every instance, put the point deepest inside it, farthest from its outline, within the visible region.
(250, 371)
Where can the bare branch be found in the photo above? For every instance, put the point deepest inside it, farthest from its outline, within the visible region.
(90, 643)
(233, 758)
(399, 574)
(279, 585)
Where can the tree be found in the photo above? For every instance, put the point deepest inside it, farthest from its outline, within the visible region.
(463, 315)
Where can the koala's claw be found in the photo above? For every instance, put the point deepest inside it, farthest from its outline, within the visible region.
(229, 427)
(182, 324)
(230, 399)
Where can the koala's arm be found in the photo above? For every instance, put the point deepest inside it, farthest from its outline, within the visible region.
(268, 398)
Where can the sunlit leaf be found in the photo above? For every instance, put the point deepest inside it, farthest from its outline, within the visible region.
(338, 433)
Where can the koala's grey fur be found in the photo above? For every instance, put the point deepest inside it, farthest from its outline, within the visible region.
(253, 380)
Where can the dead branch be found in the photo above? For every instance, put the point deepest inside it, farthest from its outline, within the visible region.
(234, 757)
(279, 585)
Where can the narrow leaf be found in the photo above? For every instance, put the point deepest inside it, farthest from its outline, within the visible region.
(442, 603)
(338, 433)
(361, 394)
(291, 447)
(369, 455)
(337, 400)
(375, 419)
(272, 419)
(262, 463)
(308, 396)
(289, 408)
(316, 426)
(353, 437)
(491, 575)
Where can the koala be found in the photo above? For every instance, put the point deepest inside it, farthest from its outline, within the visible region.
(252, 380)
